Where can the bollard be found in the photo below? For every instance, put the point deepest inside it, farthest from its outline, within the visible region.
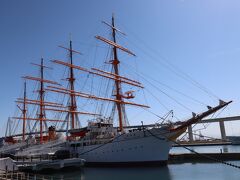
(12, 174)
(6, 171)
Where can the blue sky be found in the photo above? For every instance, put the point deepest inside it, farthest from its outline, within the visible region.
(199, 37)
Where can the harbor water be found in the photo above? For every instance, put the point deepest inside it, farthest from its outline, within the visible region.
(182, 171)
(188, 171)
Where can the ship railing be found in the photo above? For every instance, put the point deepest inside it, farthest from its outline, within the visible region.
(42, 158)
(32, 159)
(92, 142)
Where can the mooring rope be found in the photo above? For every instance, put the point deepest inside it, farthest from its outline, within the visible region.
(180, 145)
(199, 154)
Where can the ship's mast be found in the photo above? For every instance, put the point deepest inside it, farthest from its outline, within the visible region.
(40, 102)
(72, 108)
(115, 64)
(41, 106)
(119, 97)
(71, 79)
(70, 91)
(24, 111)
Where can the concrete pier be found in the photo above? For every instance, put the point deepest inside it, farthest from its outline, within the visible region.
(222, 130)
(190, 134)
(202, 157)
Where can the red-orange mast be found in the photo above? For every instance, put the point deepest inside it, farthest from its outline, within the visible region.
(71, 79)
(41, 103)
(119, 97)
(115, 64)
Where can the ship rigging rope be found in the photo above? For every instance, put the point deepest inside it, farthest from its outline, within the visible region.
(168, 65)
(172, 97)
(55, 115)
(199, 154)
(162, 118)
(13, 129)
(160, 104)
(99, 105)
(143, 75)
(205, 127)
(200, 135)
(105, 95)
(158, 100)
(166, 94)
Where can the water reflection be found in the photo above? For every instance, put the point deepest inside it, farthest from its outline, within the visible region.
(183, 171)
(139, 173)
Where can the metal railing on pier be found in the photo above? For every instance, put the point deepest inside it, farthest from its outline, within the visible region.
(16, 175)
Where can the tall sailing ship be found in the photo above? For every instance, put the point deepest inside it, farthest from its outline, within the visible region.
(101, 142)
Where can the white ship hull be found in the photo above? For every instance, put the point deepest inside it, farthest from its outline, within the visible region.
(132, 148)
